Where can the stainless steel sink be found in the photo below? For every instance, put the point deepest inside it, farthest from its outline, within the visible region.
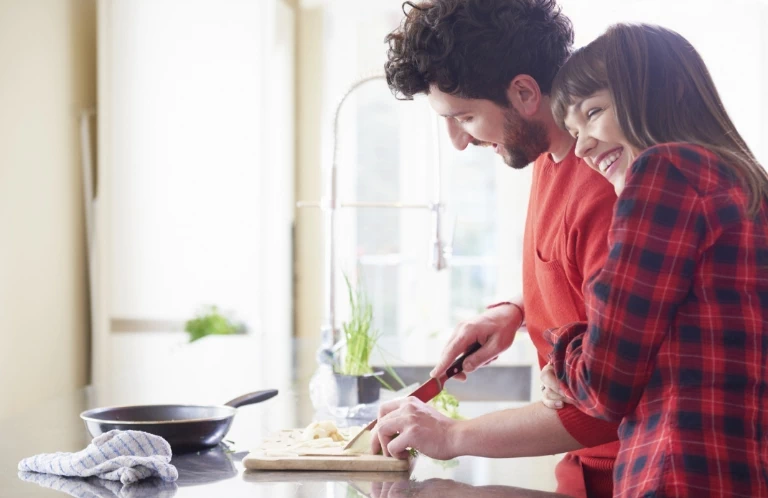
(493, 383)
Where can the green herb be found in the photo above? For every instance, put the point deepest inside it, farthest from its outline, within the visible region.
(210, 322)
(447, 404)
(359, 338)
(353, 492)
(411, 451)
(391, 371)
(447, 464)
(229, 446)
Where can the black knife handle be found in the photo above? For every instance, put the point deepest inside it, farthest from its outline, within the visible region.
(458, 365)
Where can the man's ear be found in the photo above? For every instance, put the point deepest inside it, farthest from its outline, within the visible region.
(524, 94)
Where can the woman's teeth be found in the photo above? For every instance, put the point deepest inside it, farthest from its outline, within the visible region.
(606, 163)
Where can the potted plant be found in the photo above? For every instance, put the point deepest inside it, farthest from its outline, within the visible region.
(356, 381)
(209, 321)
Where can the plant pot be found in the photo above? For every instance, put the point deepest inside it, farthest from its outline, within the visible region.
(356, 390)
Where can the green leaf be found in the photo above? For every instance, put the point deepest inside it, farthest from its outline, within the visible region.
(447, 404)
(359, 337)
(210, 322)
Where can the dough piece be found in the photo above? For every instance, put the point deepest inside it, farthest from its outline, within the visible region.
(362, 446)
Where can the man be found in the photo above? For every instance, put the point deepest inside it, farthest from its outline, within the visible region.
(487, 67)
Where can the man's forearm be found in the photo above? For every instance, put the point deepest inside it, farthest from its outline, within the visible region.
(532, 430)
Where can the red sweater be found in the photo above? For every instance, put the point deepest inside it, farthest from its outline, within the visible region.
(569, 214)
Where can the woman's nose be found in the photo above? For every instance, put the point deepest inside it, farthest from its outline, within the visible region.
(584, 144)
(459, 138)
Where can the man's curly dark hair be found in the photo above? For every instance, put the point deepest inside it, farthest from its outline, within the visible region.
(475, 48)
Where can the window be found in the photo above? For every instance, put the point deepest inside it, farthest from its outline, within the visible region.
(386, 155)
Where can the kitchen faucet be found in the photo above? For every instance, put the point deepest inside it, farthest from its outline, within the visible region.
(329, 203)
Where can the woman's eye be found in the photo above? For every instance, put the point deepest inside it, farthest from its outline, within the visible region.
(592, 112)
(465, 120)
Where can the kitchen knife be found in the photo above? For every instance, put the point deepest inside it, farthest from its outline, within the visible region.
(433, 386)
(430, 388)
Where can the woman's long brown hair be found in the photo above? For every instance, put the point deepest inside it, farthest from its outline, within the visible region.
(662, 92)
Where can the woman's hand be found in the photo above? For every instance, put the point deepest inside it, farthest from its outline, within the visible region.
(550, 389)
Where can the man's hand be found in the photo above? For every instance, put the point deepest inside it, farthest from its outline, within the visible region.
(431, 487)
(550, 390)
(410, 423)
(495, 329)
(445, 488)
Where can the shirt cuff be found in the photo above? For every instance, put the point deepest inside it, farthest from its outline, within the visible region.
(588, 431)
(560, 337)
(500, 303)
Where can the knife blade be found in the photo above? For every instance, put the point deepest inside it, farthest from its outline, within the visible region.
(430, 388)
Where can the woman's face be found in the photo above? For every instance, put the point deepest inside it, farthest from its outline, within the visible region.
(599, 139)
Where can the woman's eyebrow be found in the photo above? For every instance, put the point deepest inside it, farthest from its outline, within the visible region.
(572, 110)
(578, 104)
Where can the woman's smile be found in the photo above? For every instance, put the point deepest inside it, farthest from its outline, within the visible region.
(607, 159)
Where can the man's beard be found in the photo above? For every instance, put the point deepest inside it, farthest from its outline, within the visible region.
(524, 140)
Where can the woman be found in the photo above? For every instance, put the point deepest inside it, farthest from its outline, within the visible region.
(676, 344)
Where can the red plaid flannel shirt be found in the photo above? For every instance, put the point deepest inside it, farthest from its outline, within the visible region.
(676, 344)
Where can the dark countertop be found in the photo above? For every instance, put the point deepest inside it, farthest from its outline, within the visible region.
(55, 426)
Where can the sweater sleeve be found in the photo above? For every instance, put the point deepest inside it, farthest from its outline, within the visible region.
(653, 245)
(589, 218)
(588, 431)
(587, 249)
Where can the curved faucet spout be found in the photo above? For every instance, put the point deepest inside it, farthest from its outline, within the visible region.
(329, 204)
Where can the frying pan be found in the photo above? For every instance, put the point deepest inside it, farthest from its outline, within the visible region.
(185, 427)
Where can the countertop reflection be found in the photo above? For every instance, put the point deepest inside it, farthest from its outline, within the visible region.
(55, 426)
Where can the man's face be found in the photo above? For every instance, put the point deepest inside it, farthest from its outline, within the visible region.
(480, 122)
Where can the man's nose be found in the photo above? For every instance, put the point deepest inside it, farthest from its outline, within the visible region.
(460, 138)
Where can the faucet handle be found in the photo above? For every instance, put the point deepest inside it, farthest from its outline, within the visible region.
(440, 251)
(451, 237)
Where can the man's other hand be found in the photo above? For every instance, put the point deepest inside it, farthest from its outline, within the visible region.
(495, 329)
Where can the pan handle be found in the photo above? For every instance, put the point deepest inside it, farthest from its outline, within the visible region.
(250, 398)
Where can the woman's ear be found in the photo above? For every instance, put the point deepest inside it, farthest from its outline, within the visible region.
(524, 95)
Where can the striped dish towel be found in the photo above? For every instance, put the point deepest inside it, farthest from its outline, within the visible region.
(125, 456)
(93, 487)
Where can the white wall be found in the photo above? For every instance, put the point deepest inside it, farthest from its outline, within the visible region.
(731, 37)
(47, 62)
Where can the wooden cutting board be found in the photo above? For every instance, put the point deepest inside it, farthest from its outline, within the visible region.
(326, 459)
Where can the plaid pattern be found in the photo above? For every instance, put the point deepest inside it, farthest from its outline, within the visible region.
(676, 343)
